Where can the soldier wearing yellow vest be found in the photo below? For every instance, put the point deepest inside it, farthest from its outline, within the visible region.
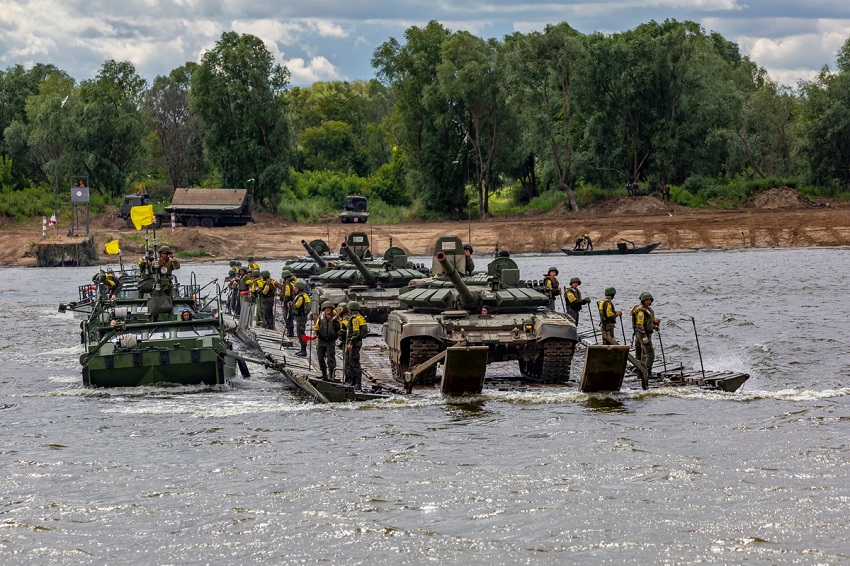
(327, 331)
(608, 316)
(259, 299)
(574, 299)
(357, 330)
(287, 295)
(252, 265)
(301, 310)
(645, 325)
(268, 292)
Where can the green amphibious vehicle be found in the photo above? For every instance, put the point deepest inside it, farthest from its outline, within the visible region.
(134, 342)
(492, 309)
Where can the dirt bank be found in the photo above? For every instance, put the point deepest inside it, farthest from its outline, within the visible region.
(776, 218)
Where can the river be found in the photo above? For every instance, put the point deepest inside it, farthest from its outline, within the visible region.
(254, 472)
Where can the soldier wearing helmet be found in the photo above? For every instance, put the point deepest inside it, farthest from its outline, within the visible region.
(267, 292)
(287, 295)
(608, 316)
(469, 266)
(327, 331)
(575, 302)
(252, 265)
(645, 324)
(301, 310)
(553, 286)
(165, 266)
(357, 331)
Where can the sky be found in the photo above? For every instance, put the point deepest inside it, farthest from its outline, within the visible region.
(327, 40)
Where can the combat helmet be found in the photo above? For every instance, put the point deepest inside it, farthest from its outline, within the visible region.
(250, 258)
(300, 285)
(575, 280)
(645, 295)
(353, 306)
(285, 272)
(610, 292)
(165, 249)
(231, 273)
(327, 305)
(343, 307)
(265, 274)
(551, 269)
(232, 263)
(255, 272)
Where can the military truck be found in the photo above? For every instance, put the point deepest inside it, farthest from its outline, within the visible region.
(354, 210)
(198, 207)
(495, 310)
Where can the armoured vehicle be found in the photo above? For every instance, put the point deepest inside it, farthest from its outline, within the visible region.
(318, 257)
(373, 283)
(494, 310)
(354, 210)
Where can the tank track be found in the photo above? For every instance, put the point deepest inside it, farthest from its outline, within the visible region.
(557, 359)
(422, 349)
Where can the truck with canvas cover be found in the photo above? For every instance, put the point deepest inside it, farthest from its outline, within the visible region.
(198, 207)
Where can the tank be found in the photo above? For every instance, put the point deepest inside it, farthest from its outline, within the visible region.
(318, 257)
(375, 284)
(486, 309)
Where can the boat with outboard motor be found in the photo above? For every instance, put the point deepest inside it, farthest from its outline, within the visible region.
(623, 248)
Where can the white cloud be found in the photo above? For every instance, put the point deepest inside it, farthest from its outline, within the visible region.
(318, 69)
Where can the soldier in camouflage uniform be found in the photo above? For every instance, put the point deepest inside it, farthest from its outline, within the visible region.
(608, 316)
(574, 300)
(645, 325)
(357, 330)
(327, 331)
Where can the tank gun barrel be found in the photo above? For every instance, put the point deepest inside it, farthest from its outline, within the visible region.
(368, 276)
(319, 261)
(467, 297)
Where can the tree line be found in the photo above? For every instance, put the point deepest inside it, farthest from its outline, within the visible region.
(451, 120)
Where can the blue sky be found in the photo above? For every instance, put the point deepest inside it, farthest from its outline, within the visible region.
(334, 40)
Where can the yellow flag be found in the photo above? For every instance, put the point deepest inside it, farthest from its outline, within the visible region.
(112, 248)
(142, 216)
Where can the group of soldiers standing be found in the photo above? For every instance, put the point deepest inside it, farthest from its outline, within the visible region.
(644, 321)
(251, 290)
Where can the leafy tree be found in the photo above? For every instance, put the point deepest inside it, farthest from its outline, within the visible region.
(330, 145)
(471, 76)
(825, 124)
(106, 141)
(544, 67)
(422, 124)
(238, 92)
(179, 133)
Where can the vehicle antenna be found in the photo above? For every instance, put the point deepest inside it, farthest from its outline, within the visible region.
(698, 349)
(592, 324)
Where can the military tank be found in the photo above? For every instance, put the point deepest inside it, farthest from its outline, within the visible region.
(486, 309)
(318, 257)
(373, 283)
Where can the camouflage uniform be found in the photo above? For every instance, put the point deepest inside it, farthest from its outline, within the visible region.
(608, 317)
(573, 297)
(645, 325)
(327, 330)
(357, 330)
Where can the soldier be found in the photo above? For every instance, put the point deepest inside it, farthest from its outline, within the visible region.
(553, 286)
(109, 284)
(252, 265)
(608, 316)
(146, 265)
(267, 292)
(470, 264)
(357, 330)
(287, 295)
(165, 266)
(573, 298)
(232, 284)
(259, 298)
(327, 328)
(645, 325)
(301, 310)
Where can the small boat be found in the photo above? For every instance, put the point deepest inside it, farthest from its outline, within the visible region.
(128, 344)
(622, 248)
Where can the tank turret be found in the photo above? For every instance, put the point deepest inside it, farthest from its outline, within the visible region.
(365, 272)
(312, 253)
(467, 299)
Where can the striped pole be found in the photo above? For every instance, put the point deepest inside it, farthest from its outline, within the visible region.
(43, 226)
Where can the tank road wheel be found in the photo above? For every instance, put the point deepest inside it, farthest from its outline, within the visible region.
(420, 350)
(556, 362)
(192, 222)
(207, 222)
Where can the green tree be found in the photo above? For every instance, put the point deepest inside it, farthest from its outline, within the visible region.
(422, 125)
(544, 67)
(238, 92)
(471, 77)
(178, 132)
(330, 145)
(108, 127)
